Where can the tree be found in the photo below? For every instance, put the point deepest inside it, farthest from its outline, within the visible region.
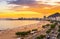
(34, 30)
(59, 27)
(53, 26)
(22, 34)
(47, 24)
(40, 37)
(58, 36)
(28, 32)
(56, 23)
(18, 34)
(43, 26)
(59, 30)
(51, 21)
(48, 31)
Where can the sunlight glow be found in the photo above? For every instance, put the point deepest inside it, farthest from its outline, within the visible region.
(49, 2)
(3, 6)
(40, 7)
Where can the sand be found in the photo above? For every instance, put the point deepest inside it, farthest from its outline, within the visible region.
(10, 33)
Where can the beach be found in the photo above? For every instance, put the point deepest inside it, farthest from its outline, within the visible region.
(25, 26)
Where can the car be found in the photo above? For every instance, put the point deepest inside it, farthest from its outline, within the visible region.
(48, 37)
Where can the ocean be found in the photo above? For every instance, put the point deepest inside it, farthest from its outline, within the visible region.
(9, 24)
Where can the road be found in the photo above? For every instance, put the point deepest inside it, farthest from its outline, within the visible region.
(42, 32)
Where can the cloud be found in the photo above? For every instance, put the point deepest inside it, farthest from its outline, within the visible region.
(26, 4)
(48, 2)
(22, 2)
(35, 3)
(5, 6)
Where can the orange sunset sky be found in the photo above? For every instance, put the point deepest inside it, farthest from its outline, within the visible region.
(28, 8)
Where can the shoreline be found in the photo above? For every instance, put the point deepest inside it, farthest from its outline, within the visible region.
(8, 34)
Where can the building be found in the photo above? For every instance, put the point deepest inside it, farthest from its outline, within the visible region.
(55, 16)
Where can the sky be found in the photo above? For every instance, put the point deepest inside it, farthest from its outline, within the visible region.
(28, 8)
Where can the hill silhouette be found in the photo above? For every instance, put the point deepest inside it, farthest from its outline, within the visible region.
(54, 15)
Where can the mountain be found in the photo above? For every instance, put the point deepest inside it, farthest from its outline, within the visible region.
(54, 15)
